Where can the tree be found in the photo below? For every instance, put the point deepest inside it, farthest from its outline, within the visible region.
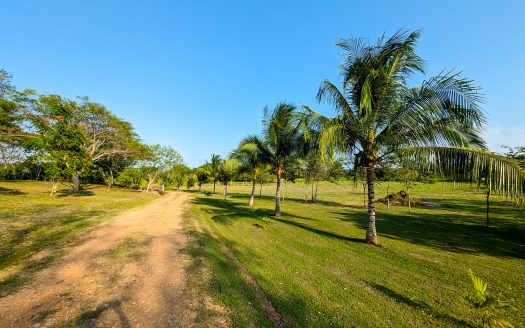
(159, 159)
(203, 176)
(62, 138)
(281, 142)
(251, 158)
(227, 170)
(264, 177)
(438, 123)
(213, 168)
(110, 141)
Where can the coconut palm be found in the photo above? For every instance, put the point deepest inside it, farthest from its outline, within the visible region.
(280, 143)
(214, 166)
(438, 123)
(252, 159)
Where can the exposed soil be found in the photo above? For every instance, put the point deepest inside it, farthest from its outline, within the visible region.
(127, 273)
(401, 199)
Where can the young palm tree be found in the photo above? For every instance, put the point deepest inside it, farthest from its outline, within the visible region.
(214, 166)
(378, 115)
(252, 159)
(280, 143)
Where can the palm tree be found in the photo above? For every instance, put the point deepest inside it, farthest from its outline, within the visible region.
(227, 170)
(282, 140)
(378, 115)
(251, 156)
(214, 166)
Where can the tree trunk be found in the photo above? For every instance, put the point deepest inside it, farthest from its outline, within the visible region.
(225, 190)
(408, 195)
(214, 182)
(278, 192)
(364, 195)
(54, 188)
(111, 179)
(371, 235)
(252, 196)
(306, 189)
(200, 187)
(260, 191)
(316, 187)
(488, 206)
(76, 182)
(387, 195)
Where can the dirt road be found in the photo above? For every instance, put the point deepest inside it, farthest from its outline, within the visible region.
(128, 273)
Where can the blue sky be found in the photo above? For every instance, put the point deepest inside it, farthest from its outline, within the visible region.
(196, 74)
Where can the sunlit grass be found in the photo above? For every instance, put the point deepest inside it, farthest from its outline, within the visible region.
(34, 226)
(315, 269)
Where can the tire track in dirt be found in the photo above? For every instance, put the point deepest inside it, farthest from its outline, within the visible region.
(128, 273)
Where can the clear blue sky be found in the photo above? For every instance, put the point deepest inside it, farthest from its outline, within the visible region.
(196, 74)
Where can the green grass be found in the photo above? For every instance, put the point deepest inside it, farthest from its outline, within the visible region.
(34, 226)
(313, 266)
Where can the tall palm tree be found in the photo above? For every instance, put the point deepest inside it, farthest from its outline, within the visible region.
(214, 166)
(280, 143)
(251, 155)
(438, 123)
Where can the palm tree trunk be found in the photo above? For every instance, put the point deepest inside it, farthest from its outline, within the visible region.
(252, 196)
(225, 190)
(306, 189)
(278, 192)
(371, 235)
(214, 182)
(488, 206)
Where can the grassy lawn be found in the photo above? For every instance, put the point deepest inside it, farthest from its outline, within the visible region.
(34, 227)
(314, 268)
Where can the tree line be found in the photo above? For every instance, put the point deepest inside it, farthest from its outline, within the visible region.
(50, 137)
(382, 125)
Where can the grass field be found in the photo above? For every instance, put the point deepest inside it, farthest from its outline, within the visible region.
(34, 227)
(315, 269)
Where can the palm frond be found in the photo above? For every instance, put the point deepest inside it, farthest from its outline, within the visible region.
(501, 174)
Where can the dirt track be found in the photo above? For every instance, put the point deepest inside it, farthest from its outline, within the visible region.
(128, 273)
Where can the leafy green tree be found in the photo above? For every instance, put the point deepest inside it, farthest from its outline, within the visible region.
(130, 177)
(265, 176)
(438, 123)
(203, 176)
(159, 159)
(190, 181)
(62, 138)
(213, 167)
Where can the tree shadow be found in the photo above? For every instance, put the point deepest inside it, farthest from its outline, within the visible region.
(446, 231)
(419, 305)
(85, 319)
(69, 192)
(226, 213)
(11, 192)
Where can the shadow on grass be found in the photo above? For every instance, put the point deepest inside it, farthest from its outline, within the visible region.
(213, 273)
(20, 247)
(226, 212)
(446, 231)
(11, 192)
(69, 192)
(420, 305)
